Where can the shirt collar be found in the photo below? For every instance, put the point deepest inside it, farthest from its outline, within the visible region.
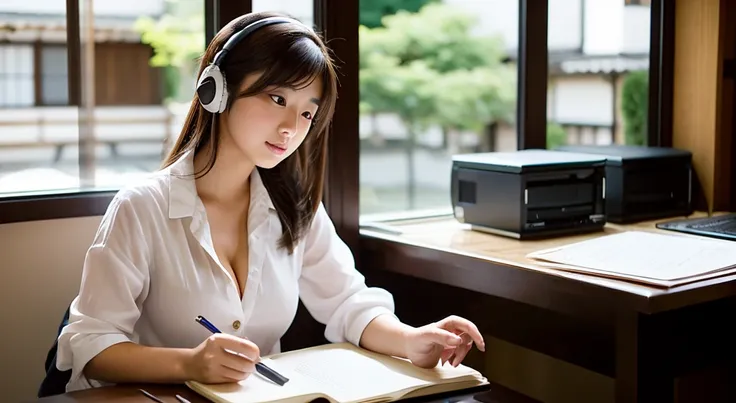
(183, 198)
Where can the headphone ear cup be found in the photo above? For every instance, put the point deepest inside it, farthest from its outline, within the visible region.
(225, 96)
(210, 88)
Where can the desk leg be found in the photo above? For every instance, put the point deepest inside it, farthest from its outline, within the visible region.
(642, 372)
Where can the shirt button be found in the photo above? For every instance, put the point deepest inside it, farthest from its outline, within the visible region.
(236, 325)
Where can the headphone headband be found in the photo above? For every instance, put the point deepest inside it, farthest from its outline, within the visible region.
(240, 35)
(212, 85)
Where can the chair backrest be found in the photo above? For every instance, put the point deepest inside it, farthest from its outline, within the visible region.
(54, 383)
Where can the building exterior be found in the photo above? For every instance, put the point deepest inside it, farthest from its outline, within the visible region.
(593, 45)
(37, 123)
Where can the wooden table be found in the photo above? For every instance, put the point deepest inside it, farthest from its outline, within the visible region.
(167, 393)
(641, 336)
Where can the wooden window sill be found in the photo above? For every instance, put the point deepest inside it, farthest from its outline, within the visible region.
(448, 252)
(50, 206)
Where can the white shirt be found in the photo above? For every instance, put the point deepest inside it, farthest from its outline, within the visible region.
(152, 269)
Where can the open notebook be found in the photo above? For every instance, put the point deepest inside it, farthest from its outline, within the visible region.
(341, 373)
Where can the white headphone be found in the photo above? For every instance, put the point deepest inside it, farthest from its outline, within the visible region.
(212, 85)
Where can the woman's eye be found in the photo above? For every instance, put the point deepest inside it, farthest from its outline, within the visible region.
(307, 115)
(278, 99)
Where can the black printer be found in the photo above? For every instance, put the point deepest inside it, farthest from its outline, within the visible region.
(529, 193)
(643, 182)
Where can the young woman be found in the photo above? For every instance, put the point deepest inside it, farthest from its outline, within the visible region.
(232, 228)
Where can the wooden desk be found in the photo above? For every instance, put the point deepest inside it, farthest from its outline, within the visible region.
(643, 337)
(167, 393)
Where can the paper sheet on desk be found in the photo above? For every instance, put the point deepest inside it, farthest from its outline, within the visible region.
(649, 257)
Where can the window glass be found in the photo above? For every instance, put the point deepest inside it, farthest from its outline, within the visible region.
(598, 72)
(437, 78)
(54, 77)
(16, 75)
(138, 61)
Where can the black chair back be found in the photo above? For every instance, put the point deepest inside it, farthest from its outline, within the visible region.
(54, 383)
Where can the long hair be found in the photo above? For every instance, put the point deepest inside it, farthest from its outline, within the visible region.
(286, 56)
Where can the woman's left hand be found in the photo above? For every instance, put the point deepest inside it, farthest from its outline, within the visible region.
(448, 340)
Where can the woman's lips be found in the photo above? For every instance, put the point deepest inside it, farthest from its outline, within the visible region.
(278, 150)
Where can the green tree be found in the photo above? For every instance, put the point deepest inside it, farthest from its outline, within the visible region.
(429, 69)
(372, 11)
(177, 39)
(634, 103)
(556, 136)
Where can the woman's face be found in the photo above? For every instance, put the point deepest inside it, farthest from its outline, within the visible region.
(269, 126)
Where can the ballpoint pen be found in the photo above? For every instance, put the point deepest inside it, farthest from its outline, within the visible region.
(182, 399)
(150, 396)
(260, 367)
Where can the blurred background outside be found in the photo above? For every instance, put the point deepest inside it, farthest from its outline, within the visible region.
(436, 78)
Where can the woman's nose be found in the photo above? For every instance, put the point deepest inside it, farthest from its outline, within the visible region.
(288, 126)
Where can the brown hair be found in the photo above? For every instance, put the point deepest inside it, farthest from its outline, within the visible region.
(287, 57)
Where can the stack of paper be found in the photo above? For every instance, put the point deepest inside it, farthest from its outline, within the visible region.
(646, 257)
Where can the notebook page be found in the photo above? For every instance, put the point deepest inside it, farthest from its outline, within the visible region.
(347, 375)
(256, 388)
(646, 254)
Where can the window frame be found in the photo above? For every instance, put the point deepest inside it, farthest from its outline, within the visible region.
(339, 19)
(48, 205)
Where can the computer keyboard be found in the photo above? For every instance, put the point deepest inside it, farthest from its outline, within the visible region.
(722, 226)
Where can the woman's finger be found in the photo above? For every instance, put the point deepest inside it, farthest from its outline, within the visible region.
(446, 355)
(237, 362)
(440, 336)
(460, 353)
(456, 323)
(232, 375)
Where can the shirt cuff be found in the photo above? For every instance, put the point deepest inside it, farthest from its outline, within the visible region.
(355, 331)
(84, 348)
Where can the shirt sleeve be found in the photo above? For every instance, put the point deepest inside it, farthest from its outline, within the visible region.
(114, 283)
(333, 290)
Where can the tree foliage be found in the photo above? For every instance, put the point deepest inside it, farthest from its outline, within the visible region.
(429, 68)
(177, 40)
(634, 102)
(371, 12)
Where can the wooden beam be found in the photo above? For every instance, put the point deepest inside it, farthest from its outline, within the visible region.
(697, 93)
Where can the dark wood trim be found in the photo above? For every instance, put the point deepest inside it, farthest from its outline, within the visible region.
(54, 206)
(37, 74)
(74, 52)
(641, 364)
(518, 323)
(546, 291)
(661, 72)
(228, 10)
(531, 99)
(538, 289)
(337, 21)
(210, 20)
(729, 69)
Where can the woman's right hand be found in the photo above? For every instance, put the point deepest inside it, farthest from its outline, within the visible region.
(222, 358)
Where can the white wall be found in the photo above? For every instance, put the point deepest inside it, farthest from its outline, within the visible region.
(128, 8)
(611, 27)
(495, 17)
(604, 26)
(636, 29)
(563, 24)
(586, 99)
(42, 267)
